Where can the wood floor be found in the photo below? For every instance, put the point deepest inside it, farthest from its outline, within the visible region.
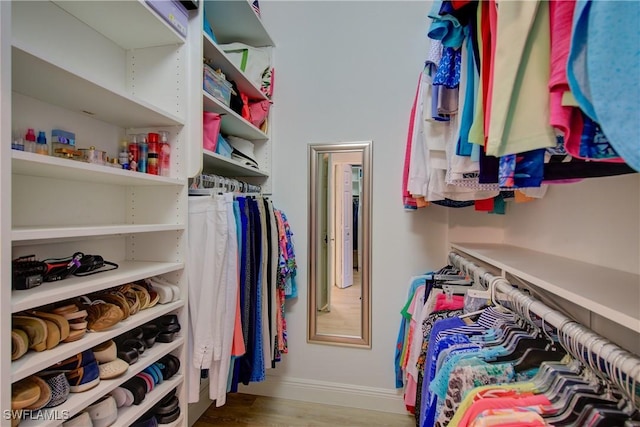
(345, 315)
(249, 410)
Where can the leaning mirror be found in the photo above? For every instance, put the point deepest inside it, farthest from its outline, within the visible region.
(339, 309)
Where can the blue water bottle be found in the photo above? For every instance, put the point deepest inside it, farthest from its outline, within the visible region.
(143, 153)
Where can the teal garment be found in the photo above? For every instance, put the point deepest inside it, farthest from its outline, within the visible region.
(613, 70)
(464, 147)
(445, 28)
(577, 71)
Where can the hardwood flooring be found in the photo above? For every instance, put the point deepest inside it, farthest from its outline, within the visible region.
(345, 315)
(250, 410)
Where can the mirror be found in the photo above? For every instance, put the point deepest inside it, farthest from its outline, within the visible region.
(339, 311)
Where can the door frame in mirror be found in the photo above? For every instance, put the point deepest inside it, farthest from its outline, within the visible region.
(314, 152)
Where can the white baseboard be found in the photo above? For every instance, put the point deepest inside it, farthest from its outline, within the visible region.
(329, 393)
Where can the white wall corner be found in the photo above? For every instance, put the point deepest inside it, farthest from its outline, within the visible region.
(330, 393)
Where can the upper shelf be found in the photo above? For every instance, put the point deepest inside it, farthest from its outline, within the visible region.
(611, 293)
(236, 21)
(32, 164)
(129, 24)
(51, 82)
(232, 123)
(224, 166)
(221, 60)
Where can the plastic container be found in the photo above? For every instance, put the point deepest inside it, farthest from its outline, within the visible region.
(216, 85)
(123, 155)
(41, 144)
(30, 141)
(62, 142)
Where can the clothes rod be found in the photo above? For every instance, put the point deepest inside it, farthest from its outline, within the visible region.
(622, 367)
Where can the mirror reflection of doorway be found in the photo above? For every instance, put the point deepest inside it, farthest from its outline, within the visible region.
(339, 298)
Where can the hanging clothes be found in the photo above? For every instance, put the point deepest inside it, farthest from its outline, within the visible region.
(243, 260)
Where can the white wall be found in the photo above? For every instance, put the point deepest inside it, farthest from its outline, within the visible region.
(347, 71)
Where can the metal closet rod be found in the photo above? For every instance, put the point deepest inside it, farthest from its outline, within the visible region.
(231, 184)
(621, 367)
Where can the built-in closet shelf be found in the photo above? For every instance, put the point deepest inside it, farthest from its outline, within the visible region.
(50, 81)
(24, 163)
(232, 123)
(34, 362)
(610, 293)
(221, 60)
(127, 415)
(129, 24)
(224, 166)
(236, 21)
(29, 234)
(128, 271)
(79, 401)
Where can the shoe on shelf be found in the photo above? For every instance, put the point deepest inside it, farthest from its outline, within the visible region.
(45, 394)
(112, 369)
(84, 378)
(19, 343)
(76, 361)
(35, 328)
(104, 412)
(101, 315)
(116, 298)
(147, 420)
(105, 352)
(59, 386)
(76, 319)
(24, 393)
(60, 321)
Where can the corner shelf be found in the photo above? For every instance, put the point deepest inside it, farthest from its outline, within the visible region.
(129, 24)
(221, 60)
(228, 167)
(34, 362)
(47, 81)
(236, 21)
(232, 123)
(79, 401)
(32, 164)
(128, 271)
(579, 282)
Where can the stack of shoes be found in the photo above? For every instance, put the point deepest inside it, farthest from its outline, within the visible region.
(145, 381)
(109, 365)
(81, 371)
(131, 345)
(76, 317)
(168, 328)
(31, 393)
(164, 412)
(123, 397)
(168, 409)
(167, 291)
(36, 331)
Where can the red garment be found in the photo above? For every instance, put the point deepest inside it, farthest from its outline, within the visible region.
(454, 302)
(485, 205)
(489, 28)
(407, 199)
(459, 4)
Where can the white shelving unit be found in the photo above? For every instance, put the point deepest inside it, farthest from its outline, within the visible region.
(65, 65)
(579, 282)
(236, 21)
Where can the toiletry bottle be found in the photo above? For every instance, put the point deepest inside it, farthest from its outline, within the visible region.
(134, 152)
(17, 143)
(123, 155)
(41, 144)
(152, 160)
(30, 141)
(165, 154)
(143, 153)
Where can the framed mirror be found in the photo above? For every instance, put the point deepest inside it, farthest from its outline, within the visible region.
(339, 310)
